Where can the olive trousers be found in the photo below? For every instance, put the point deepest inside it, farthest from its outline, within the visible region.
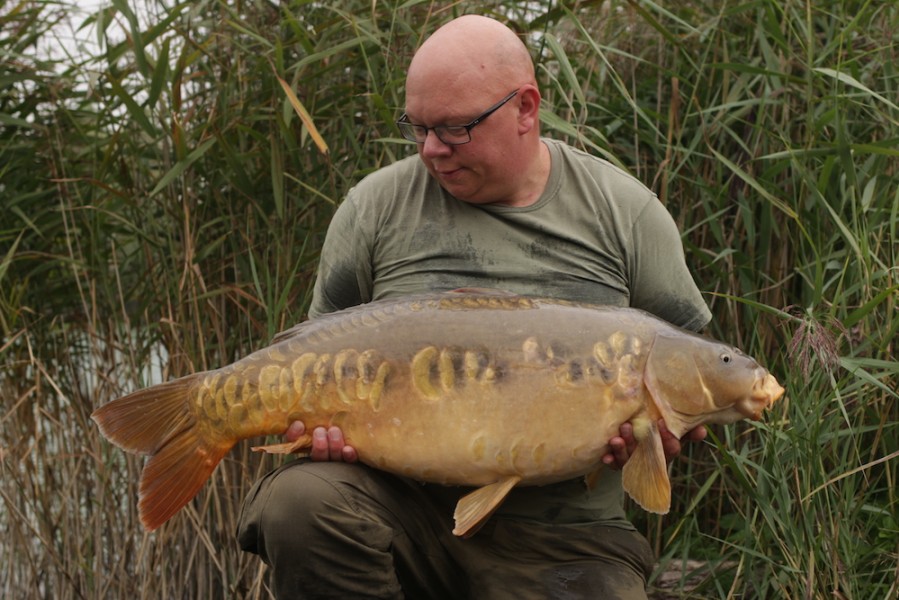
(338, 530)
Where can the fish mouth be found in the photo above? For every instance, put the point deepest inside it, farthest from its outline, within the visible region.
(765, 393)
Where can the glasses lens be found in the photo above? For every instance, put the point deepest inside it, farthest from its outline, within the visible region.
(413, 133)
(453, 135)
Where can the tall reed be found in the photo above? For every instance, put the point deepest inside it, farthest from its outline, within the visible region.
(164, 202)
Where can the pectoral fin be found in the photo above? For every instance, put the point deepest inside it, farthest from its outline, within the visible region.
(473, 510)
(302, 444)
(645, 475)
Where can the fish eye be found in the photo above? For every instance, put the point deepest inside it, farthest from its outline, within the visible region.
(726, 358)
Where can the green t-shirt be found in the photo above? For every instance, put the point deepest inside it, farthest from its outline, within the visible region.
(595, 235)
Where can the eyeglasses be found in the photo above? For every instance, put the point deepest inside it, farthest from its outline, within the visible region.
(452, 135)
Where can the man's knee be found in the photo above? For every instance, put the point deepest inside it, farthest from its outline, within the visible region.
(312, 518)
(286, 505)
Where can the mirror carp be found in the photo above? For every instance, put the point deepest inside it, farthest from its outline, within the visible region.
(471, 387)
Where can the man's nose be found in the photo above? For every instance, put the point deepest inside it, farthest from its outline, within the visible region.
(434, 146)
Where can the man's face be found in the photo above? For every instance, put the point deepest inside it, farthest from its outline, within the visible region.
(480, 171)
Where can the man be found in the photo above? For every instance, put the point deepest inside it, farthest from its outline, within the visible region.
(486, 203)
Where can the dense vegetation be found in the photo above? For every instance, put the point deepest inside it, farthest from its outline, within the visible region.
(162, 203)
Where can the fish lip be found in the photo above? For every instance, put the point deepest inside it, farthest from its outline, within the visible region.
(771, 389)
(751, 409)
(765, 393)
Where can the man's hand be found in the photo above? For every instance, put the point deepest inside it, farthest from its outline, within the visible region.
(327, 444)
(623, 446)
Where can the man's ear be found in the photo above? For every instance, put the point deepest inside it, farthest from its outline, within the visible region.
(528, 108)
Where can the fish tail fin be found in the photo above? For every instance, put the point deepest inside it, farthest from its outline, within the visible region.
(157, 421)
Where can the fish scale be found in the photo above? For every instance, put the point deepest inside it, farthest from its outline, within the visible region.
(472, 388)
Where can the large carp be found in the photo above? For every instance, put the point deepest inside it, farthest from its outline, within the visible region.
(470, 387)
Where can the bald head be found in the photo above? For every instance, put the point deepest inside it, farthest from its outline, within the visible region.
(472, 52)
(471, 68)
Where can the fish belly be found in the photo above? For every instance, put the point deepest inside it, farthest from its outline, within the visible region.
(475, 437)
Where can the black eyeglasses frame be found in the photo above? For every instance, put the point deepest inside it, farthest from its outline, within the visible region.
(419, 133)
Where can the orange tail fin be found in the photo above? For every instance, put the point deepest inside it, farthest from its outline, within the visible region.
(158, 421)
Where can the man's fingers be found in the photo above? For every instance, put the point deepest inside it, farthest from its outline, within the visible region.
(698, 434)
(329, 444)
(622, 446)
(348, 454)
(622, 449)
(295, 431)
(672, 446)
(670, 443)
(626, 433)
(335, 443)
(320, 446)
(618, 453)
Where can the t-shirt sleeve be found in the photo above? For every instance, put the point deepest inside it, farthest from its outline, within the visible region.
(344, 276)
(660, 281)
